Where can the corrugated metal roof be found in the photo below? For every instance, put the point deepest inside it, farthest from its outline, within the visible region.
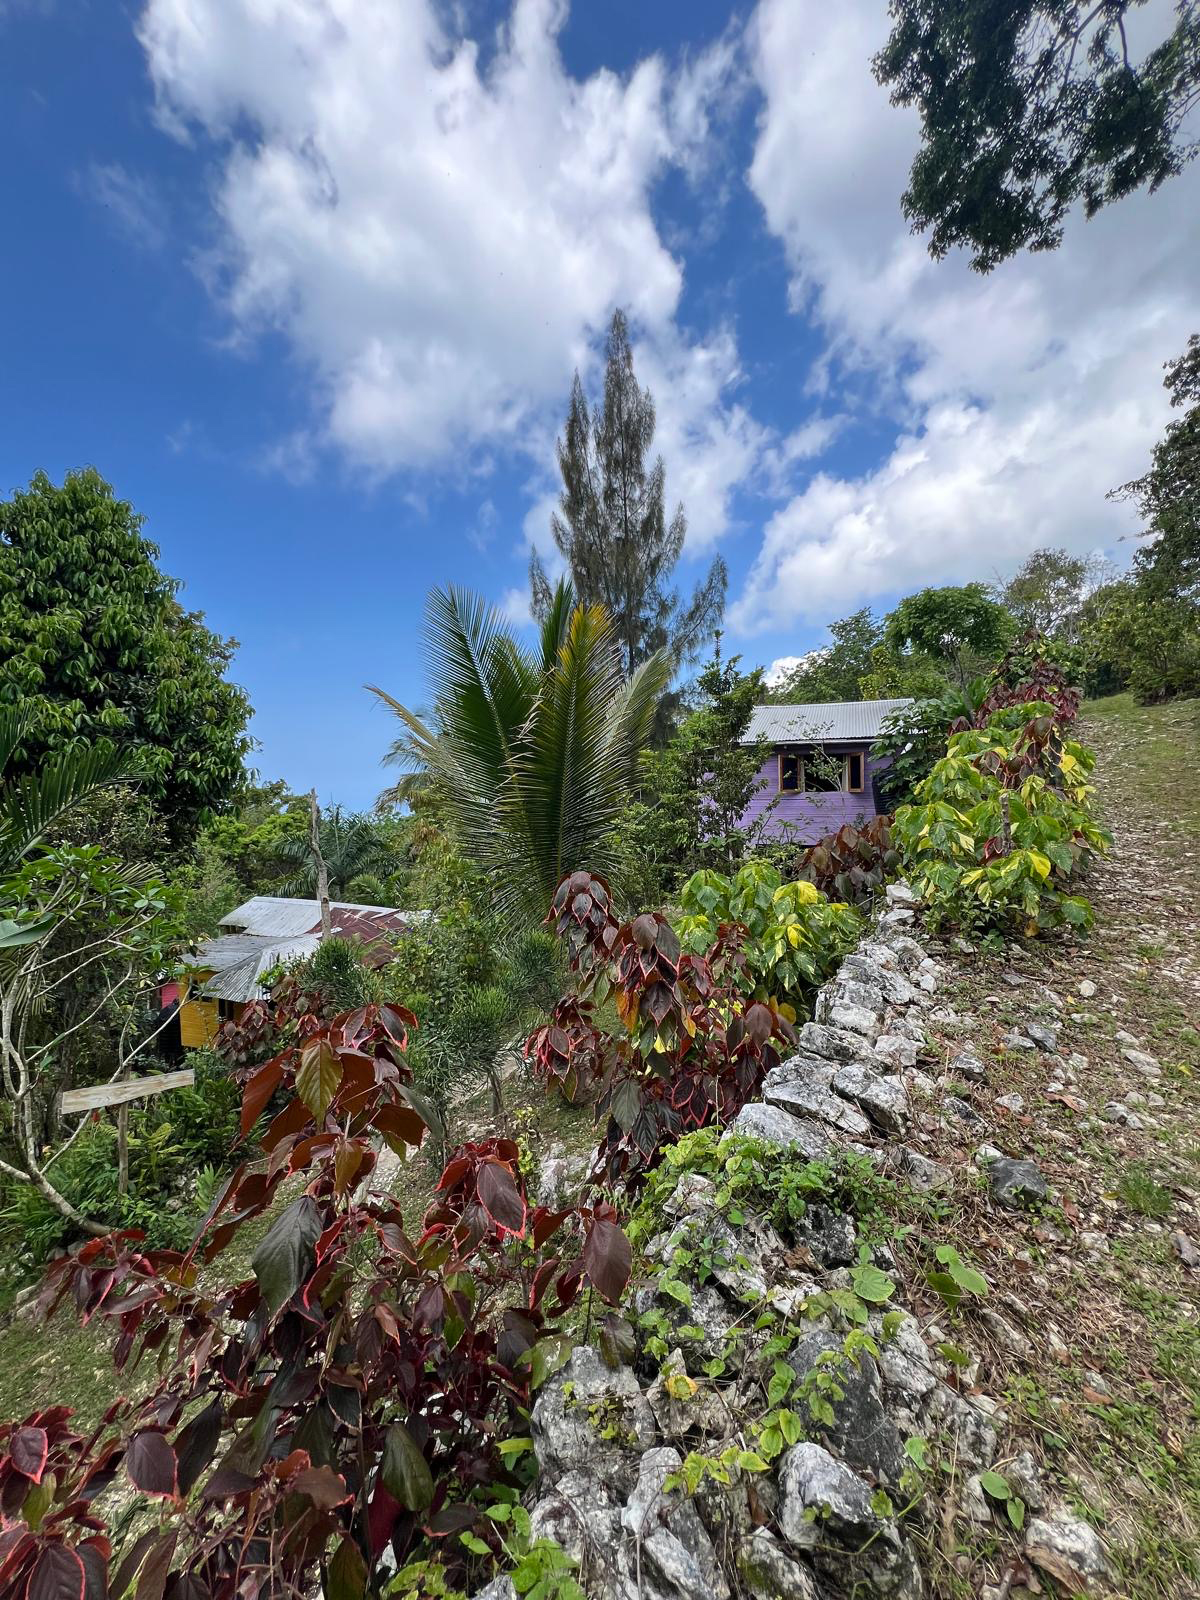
(282, 917)
(274, 929)
(238, 979)
(848, 720)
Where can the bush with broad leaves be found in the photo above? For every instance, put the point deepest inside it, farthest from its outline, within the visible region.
(852, 864)
(792, 936)
(1002, 828)
(695, 1043)
(343, 1407)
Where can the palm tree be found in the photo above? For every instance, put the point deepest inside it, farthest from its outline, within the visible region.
(532, 752)
(353, 846)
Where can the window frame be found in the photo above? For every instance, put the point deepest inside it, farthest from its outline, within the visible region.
(847, 786)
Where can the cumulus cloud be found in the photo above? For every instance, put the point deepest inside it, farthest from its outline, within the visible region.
(1017, 399)
(441, 227)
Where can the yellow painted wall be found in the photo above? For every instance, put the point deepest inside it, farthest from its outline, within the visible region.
(198, 1018)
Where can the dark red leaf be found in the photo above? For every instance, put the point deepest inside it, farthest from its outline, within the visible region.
(501, 1198)
(94, 1555)
(322, 1486)
(57, 1575)
(260, 1086)
(607, 1259)
(150, 1463)
(28, 1449)
(197, 1444)
(153, 1577)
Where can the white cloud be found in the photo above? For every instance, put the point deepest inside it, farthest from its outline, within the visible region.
(783, 666)
(1019, 398)
(442, 235)
(133, 206)
(514, 607)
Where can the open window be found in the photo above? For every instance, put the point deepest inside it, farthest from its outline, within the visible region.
(791, 773)
(855, 772)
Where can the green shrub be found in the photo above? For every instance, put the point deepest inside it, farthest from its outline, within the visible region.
(796, 936)
(1001, 828)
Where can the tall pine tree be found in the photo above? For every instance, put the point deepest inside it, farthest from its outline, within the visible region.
(611, 526)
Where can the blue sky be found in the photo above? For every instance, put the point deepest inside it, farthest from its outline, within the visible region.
(307, 281)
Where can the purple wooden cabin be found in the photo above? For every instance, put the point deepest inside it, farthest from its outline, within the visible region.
(820, 770)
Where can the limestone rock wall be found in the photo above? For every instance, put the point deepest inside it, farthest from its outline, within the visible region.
(814, 1526)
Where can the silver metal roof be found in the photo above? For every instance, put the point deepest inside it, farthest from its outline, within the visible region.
(840, 720)
(237, 971)
(275, 914)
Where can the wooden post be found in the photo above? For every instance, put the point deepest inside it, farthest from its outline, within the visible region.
(123, 1146)
(322, 871)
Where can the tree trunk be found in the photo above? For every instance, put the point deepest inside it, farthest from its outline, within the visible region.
(322, 870)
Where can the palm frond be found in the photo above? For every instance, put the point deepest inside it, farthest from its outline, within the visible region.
(33, 804)
(534, 759)
(13, 724)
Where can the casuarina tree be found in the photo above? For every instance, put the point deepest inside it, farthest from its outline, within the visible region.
(96, 650)
(612, 528)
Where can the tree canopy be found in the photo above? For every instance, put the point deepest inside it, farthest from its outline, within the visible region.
(96, 649)
(857, 664)
(612, 529)
(1047, 591)
(956, 625)
(1030, 105)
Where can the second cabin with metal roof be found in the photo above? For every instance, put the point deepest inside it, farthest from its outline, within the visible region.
(267, 932)
(820, 772)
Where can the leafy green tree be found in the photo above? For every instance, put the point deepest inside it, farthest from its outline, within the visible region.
(695, 791)
(963, 627)
(1047, 591)
(613, 531)
(1030, 105)
(533, 754)
(95, 647)
(1146, 631)
(858, 664)
(73, 922)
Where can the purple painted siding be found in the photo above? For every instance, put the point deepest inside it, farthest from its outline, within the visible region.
(808, 817)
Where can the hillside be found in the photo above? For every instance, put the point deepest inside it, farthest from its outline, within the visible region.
(1084, 1352)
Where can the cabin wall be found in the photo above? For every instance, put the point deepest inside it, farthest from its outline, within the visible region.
(807, 817)
(198, 1023)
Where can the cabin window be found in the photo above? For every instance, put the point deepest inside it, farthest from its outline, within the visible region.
(854, 772)
(791, 774)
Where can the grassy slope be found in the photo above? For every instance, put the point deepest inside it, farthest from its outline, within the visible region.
(1097, 1360)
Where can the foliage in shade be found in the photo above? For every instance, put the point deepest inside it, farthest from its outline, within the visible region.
(1029, 106)
(344, 1404)
(852, 864)
(533, 755)
(696, 790)
(95, 648)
